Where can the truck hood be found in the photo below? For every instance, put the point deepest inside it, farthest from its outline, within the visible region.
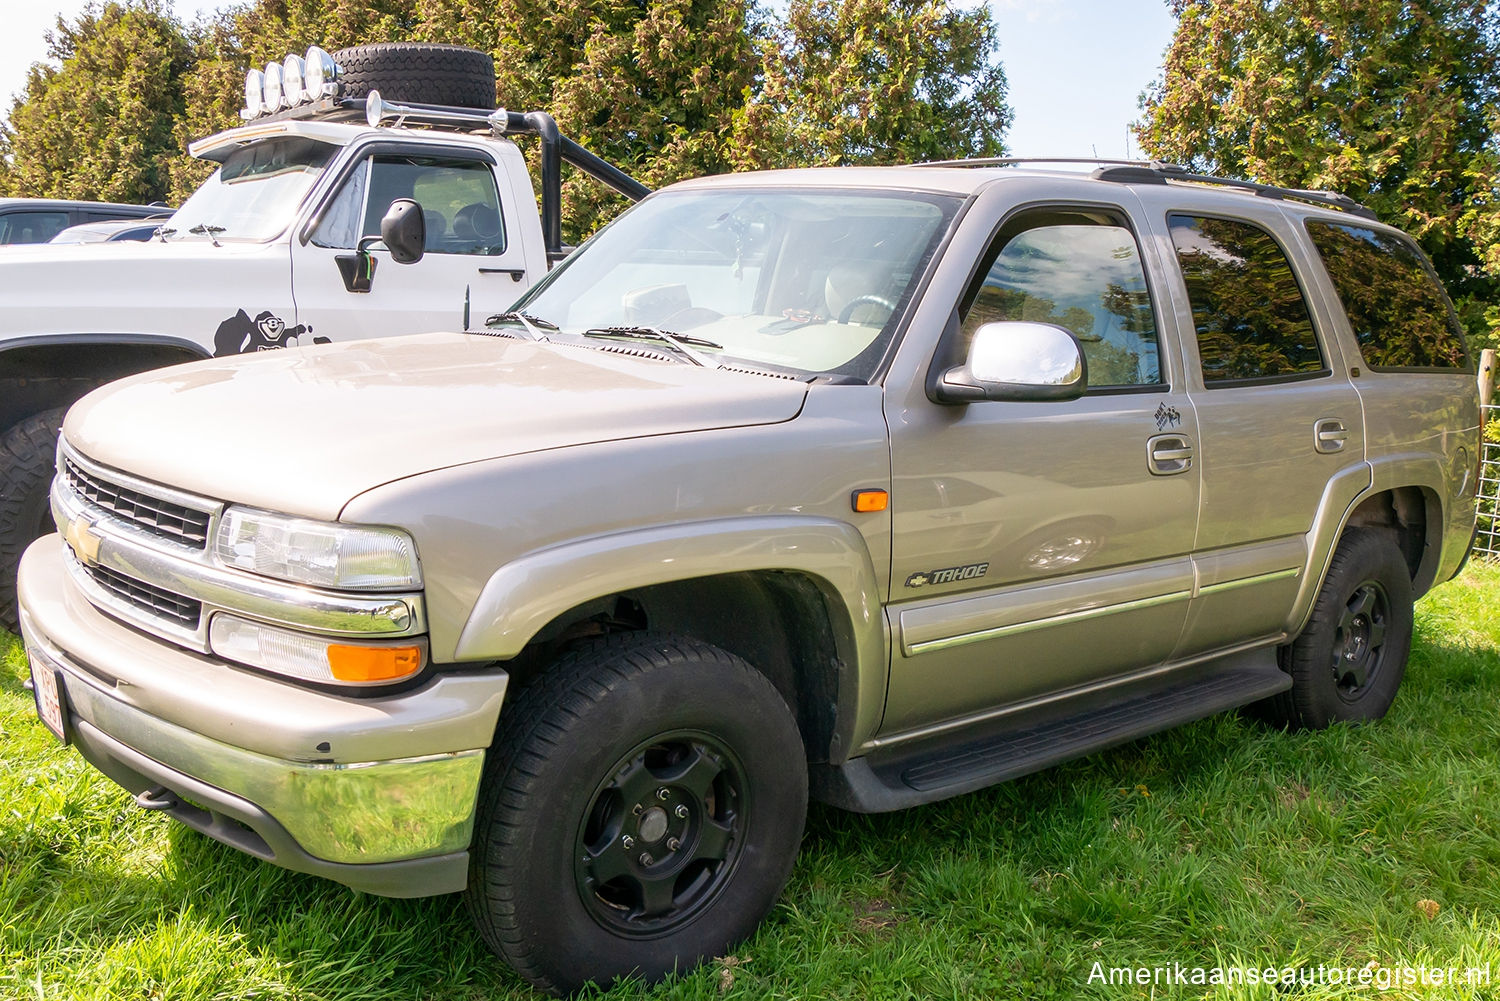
(305, 430)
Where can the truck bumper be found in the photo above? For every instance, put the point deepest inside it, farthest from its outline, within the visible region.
(282, 772)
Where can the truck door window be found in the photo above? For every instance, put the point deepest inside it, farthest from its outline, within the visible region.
(1081, 271)
(1251, 319)
(1397, 309)
(460, 204)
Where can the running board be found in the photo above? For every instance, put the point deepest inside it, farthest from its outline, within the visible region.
(969, 759)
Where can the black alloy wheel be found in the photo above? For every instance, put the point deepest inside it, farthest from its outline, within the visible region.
(662, 835)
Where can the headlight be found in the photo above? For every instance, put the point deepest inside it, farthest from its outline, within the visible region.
(314, 658)
(291, 80)
(272, 99)
(322, 554)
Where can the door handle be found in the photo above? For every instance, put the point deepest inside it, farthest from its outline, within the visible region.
(1168, 454)
(1329, 435)
(516, 274)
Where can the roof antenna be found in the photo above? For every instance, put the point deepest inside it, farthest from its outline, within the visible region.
(1095, 148)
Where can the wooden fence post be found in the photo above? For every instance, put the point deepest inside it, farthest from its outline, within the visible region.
(1486, 376)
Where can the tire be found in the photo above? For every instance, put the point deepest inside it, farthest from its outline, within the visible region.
(419, 73)
(28, 454)
(641, 810)
(1348, 662)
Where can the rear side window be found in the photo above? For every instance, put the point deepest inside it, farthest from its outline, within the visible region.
(1396, 308)
(1250, 316)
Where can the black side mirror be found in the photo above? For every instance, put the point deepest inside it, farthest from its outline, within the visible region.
(404, 231)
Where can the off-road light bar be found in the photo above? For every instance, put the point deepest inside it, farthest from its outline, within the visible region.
(295, 80)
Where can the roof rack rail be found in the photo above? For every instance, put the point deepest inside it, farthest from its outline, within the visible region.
(556, 147)
(1013, 161)
(1162, 173)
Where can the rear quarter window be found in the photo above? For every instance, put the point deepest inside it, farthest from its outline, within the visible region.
(1399, 314)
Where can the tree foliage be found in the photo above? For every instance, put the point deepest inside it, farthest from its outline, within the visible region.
(874, 81)
(100, 123)
(667, 88)
(1389, 101)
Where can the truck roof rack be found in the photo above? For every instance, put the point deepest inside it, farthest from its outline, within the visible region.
(557, 148)
(1157, 172)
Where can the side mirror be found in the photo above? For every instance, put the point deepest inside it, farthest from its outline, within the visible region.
(404, 231)
(1019, 361)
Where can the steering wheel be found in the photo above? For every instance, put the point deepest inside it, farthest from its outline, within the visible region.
(863, 300)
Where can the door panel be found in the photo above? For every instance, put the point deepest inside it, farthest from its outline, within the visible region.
(1060, 502)
(1278, 420)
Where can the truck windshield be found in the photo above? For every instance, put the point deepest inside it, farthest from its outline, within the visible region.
(255, 193)
(801, 281)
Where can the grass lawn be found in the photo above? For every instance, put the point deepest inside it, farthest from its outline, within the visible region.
(1218, 843)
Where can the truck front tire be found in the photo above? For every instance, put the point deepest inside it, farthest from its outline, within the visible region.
(641, 811)
(28, 454)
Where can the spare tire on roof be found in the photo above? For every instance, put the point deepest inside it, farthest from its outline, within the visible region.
(419, 73)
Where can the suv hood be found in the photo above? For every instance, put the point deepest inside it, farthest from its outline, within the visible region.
(305, 430)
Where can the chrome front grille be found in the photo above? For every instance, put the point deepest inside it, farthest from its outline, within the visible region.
(156, 515)
(153, 600)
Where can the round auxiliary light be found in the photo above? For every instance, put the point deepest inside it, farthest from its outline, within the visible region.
(291, 81)
(273, 98)
(255, 82)
(319, 74)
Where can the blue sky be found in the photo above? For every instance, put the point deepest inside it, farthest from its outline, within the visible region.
(1076, 67)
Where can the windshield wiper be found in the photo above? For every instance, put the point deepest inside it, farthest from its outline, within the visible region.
(162, 232)
(212, 232)
(684, 343)
(531, 323)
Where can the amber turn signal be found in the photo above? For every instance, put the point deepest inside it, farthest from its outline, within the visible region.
(871, 500)
(373, 663)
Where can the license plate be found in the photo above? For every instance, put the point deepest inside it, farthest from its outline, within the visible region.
(49, 700)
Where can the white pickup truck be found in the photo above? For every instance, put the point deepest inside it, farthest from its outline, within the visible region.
(280, 246)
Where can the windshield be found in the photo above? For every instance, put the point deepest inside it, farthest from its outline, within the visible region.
(255, 193)
(804, 281)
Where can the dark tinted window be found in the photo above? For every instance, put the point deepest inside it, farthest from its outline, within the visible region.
(1395, 306)
(1250, 317)
(32, 227)
(1083, 275)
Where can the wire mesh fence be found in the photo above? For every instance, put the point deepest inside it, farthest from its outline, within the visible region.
(1487, 538)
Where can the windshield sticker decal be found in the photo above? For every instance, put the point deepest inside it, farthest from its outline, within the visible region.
(240, 334)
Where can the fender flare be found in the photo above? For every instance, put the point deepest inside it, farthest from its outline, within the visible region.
(1343, 496)
(522, 596)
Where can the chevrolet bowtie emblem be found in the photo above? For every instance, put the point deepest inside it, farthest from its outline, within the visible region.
(80, 536)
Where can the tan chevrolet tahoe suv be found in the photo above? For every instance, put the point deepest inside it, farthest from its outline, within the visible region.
(875, 486)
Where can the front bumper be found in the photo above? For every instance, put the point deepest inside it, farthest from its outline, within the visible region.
(376, 793)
